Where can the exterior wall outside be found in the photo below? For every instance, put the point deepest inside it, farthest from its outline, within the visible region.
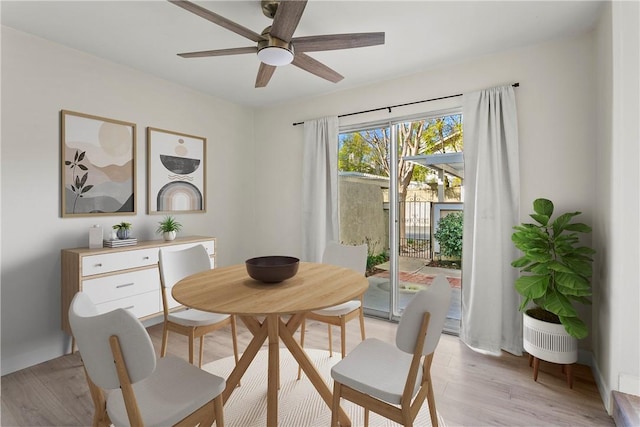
(362, 215)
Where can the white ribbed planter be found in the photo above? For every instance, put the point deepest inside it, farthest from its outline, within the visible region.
(549, 341)
(169, 235)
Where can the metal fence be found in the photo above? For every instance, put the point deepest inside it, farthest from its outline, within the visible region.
(415, 242)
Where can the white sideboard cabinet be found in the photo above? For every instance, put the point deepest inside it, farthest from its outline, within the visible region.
(124, 277)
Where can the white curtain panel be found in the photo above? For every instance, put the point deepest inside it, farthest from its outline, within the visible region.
(491, 321)
(319, 186)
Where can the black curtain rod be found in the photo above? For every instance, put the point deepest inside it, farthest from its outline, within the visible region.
(400, 105)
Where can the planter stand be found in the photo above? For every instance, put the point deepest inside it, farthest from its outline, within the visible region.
(549, 342)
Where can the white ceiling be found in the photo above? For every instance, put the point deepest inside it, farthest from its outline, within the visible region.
(146, 35)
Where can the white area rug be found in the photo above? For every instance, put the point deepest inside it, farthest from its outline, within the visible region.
(299, 404)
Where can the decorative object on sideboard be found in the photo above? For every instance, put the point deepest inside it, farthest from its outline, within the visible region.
(168, 227)
(123, 230)
(98, 165)
(95, 237)
(557, 271)
(176, 171)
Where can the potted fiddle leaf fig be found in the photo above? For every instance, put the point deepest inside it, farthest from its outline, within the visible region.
(556, 269)
(168, 227)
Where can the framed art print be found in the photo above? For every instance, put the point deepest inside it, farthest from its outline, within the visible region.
(98, 165)
(177, 172)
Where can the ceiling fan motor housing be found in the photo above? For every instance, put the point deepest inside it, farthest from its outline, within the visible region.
(273, 51)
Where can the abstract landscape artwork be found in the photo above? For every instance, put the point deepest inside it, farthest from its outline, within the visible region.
(98, 165)
(177, 172)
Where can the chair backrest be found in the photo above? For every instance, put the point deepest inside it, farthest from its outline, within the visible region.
(176, 265)
(353, 257)
(92, 331)
(435, 300)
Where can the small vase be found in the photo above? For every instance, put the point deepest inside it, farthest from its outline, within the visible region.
(122, 233)
(169, 235)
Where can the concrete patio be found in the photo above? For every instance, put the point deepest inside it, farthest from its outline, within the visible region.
(414, 275)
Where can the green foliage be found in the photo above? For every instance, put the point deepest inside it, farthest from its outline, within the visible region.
(557, 266)
(122, 226)
(373, 260)
(449, 235)
(168, 224)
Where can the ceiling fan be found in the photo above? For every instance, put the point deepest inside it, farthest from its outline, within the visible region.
(276, 45)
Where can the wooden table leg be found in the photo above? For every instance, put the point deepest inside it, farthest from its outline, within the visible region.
(308, 368)
(273, 374)
(259, 336)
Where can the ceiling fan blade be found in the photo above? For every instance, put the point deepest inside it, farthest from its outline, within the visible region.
(287, 18)
(336, 41)
(264, 74)
(309, 64)
(217, 19)
(219, 52)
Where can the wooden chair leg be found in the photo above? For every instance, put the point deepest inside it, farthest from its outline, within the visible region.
(343, 337)
(330, 341)
(191, 339)
(335, 407)
(201, 351)
(217, 403)
(536, 366)
(165, 337)
(362, 323)
(234, 338)
(431, 402)
(530, 360)
(366, 417)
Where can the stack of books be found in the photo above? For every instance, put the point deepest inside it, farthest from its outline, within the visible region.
(117, 243)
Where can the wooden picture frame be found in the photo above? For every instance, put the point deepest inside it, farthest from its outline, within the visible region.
(177, 173)
(98, 165)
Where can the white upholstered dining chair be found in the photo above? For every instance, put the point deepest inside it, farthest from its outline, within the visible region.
(175, 265)
(118, 356)
(355, 258)
(348, 256)
(387, 378)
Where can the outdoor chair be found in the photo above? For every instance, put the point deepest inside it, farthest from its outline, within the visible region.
(387, 378)
(175, 265)
(118, 356)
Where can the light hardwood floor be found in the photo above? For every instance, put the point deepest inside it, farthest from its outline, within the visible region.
(471, 389)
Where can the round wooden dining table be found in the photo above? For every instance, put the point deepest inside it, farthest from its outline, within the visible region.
(230, 290)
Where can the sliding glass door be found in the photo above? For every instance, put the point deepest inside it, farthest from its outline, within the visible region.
(391, 177)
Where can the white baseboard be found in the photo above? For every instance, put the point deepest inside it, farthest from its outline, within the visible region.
(605, 391)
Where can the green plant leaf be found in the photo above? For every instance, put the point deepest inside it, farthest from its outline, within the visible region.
(521, 262)
(579, 227)
(542, 219)
(561, 222)
(532, 286)
(543, 207)
(559, 267)
(574, 327)
(558, 304)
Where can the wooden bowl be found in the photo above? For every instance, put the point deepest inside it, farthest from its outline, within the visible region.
(272, 269)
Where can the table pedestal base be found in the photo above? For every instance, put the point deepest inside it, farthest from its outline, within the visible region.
(273, 328)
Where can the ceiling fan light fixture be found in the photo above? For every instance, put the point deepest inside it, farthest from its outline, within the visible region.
(276, 56)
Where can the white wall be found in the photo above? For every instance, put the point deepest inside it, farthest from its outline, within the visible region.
(617, 231)
(39, 78)
(556, 112)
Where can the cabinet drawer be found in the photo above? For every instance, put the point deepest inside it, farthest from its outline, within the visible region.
(109, 288)
(140, 305)
(107, 263)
